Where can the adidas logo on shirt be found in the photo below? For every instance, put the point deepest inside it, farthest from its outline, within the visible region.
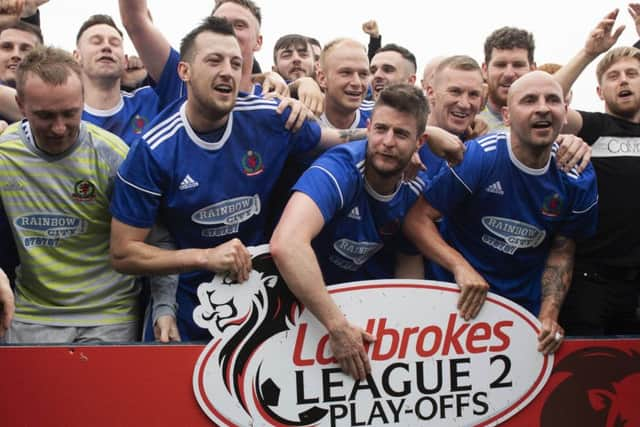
(495, 188)
(188, 182)
(355, 214)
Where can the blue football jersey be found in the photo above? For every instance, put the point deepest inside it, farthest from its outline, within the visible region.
(129, 119)
(362, 231)
(502, 216)
(207, 191)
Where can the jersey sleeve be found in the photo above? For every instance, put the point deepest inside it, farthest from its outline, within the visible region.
(138, 188)
(170, 87)
(582, 219)
(330, 182)
(304, 139)
(451, 186)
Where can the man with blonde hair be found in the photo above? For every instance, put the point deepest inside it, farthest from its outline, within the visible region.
(343, 74)
(56, 178)
(604, 295)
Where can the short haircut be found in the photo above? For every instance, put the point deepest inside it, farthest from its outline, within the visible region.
(404, 52)
(458, 62)
(408, 99)
(52, 65)
(27, 28)
(211, 24)
(97, 20)
(247, 4)
(509, 38)
(613, 56)
(295, 40)
(329, 47)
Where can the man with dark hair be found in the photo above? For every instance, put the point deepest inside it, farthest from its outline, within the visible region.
(15, 42)
(292, 57)
(173, 172)
(508, 54)
(57, 174)
(390, 65)
(100, 52)
(316, 48)
(343, 220)
(509, 217)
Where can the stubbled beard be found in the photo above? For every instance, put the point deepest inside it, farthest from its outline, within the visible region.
(627, 113)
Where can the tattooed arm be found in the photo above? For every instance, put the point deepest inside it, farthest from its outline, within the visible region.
(331, 137)
(556, 279)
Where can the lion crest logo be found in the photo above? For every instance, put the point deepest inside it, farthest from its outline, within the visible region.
(240, 318)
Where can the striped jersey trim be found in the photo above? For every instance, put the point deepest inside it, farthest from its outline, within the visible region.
(333, 178)
(137, 187)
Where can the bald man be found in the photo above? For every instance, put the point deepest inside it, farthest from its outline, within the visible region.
(509, 216)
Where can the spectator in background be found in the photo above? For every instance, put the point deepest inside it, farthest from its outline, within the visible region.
(292, 57)
(391, 64)
(375, 39)
(508, 55)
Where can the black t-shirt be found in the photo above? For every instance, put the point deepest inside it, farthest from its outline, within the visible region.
(616, 159)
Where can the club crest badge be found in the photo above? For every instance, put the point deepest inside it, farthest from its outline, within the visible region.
(138, 123)
(252, 163)
(552, 205)
(84, 191)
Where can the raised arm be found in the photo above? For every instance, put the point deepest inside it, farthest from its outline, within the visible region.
(556, 279)
(601, 38)
(297, 262)
(420, 228)
(151, 44)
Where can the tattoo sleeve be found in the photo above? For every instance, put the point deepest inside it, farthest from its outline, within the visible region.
(556, 277)
(347, 135)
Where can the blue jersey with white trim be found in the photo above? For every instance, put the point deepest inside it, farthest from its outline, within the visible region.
(129, 119)
(362, 230)
(207, 191)
(502, 216)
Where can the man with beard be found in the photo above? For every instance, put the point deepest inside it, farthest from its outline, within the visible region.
(292, 57)
(343, 220)
(293, 61)
(606, 280)
(508, 54)
(509, 217)
(206, 169)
